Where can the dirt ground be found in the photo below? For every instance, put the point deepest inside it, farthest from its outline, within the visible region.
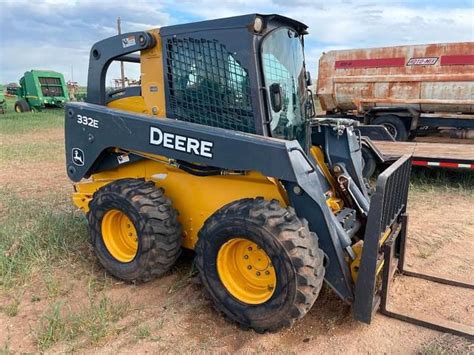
(179, 319)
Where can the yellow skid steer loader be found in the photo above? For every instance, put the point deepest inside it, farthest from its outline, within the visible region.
(214, 152)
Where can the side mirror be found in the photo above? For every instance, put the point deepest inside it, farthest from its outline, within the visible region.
(276, 94)
(309, 81)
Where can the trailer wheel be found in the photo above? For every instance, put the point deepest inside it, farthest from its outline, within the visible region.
(134, 229)
(369, 162)
(22, 106)
(260, 264)
(395, 126)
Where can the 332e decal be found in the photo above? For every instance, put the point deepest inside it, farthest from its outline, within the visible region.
(88, 121)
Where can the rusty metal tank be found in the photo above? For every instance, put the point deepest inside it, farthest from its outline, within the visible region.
(427, 78)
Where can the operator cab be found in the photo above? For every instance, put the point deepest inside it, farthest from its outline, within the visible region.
(213, 80)
(244, 73)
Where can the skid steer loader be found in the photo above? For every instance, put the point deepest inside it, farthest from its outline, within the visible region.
(214, 152)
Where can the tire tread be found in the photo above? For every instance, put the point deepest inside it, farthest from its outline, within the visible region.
(161, 232)
(293, 234)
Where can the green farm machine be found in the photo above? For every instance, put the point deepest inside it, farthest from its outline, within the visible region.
(3, 102)
(41, 89)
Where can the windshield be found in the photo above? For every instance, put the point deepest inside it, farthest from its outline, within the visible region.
(282, 57)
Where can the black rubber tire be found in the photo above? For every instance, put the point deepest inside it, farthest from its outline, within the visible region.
(394, 125)
(292, 248)
(155, 220)
(22, 106)
(370, 162)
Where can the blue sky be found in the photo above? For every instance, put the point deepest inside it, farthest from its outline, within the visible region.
(58, 34)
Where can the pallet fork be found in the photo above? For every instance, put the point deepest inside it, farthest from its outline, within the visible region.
(395, 264)
(389, 255)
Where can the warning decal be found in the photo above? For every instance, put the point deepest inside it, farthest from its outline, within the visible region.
(128, 41)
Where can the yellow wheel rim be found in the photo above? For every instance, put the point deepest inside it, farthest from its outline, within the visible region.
(119, 235)
(246, 271)
(17, 109)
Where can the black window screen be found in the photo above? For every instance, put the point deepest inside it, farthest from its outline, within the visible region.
(51, 86)
(207, 85)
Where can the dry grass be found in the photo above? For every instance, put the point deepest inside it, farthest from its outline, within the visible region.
(93, 322)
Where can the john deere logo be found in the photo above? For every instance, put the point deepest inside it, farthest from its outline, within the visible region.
(181, 143)
(78, 156)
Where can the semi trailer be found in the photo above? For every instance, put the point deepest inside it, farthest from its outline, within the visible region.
(411, 90)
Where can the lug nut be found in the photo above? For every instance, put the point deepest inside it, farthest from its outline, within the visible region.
(249, 248)
(267, 272)
(249, 267)
(258, 274)
(246, 256)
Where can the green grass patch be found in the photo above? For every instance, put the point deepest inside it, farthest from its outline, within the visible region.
(143, 331)
(95, 321)
(37, 235)
(442, 180)
(17, 123)
(6, 348)
(27, 152)
(19, 150)
(52, 328)
(12, 308)
(55, 287)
